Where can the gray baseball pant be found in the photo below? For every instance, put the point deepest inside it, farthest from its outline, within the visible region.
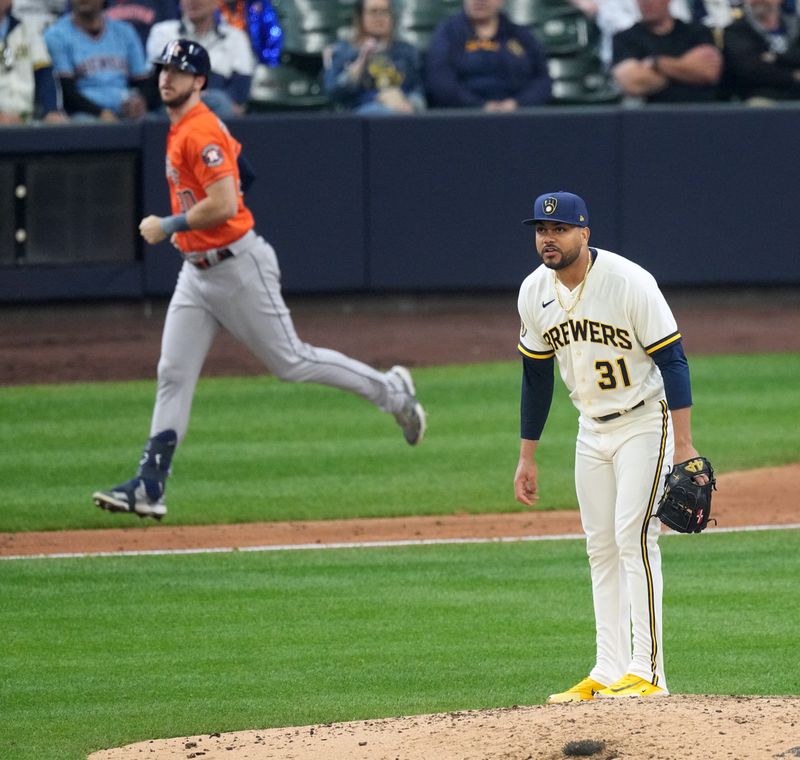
(243, 295)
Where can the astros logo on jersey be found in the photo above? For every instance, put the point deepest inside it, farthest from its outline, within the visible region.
(212, 155)
(549, 206)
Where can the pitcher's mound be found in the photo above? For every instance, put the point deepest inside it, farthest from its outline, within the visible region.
(661, 728)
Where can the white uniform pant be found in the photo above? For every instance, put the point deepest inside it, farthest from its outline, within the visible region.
(619, 475)
(243, 295)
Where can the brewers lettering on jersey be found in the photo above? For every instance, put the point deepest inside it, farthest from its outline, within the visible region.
(230, 278)
(603, 319)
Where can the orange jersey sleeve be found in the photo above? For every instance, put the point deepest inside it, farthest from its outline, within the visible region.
(200, 152)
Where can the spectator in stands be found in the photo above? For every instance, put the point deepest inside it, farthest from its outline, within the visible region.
(234, 12)
(39, 14)
(100, 64)
(615, 16)
(232, 60)
(27, 83)
(142, 14)
(662, 59)
(479, 58)
(762, 54)
(374, 72)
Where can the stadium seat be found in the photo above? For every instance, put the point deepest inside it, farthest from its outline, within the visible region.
(308, 25)
(565, 31)
(293, 86)
(417, 19)
(581, 79)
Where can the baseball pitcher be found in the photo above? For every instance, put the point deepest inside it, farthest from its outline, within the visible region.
(619, 352)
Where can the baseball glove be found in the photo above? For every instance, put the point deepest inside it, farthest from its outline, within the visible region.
(686, 506)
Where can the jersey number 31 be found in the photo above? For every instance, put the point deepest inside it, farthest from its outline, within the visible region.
(608, 376)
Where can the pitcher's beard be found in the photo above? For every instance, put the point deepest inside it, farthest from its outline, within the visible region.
(565, 260)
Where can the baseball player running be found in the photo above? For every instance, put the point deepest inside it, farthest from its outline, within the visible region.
(230, 278)
(605, 321)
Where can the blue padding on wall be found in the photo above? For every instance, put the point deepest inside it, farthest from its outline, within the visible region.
(446, 194)
(63, 138)
(698, 195)
(710, 194)
(75, 283)
(308, 198)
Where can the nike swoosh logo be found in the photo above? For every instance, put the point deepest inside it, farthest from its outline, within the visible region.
(635, 684)
(546, 304)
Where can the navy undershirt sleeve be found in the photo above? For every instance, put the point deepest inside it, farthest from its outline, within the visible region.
(675, 370)
(537, 394)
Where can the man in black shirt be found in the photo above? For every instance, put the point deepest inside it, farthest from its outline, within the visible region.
(762, 53)
(662, 59)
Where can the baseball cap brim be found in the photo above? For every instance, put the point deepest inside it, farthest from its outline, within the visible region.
(552, 219)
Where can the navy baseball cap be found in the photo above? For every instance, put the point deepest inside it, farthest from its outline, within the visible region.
(185, 55)
(559, 207)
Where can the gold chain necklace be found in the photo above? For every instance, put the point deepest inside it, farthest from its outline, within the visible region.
(581, 286)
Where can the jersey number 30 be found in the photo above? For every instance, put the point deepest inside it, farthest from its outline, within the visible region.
(608, 376)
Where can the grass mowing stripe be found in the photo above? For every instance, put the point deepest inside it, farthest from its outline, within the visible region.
(102, 652)
(259, 449)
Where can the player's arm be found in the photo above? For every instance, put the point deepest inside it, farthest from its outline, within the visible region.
(671, 360)
(219, 205)
(535, 400)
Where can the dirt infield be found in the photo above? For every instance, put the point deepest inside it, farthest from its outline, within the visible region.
(668, 728)
(758, 497)
(116, 342)
(67, 343)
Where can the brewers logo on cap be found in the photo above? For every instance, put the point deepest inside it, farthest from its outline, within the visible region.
(559, 206)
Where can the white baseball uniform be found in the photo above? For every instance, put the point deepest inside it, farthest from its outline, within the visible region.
(624, 448)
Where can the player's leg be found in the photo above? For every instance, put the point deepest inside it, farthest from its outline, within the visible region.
(188, 332)
(596, 489)
(259, 317)
(641, 461)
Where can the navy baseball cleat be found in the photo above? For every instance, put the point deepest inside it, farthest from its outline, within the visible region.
(142, 497)
(411, 417)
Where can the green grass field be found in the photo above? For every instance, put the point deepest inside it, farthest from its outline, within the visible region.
(258, 449)
(106, 651)
(99, 652)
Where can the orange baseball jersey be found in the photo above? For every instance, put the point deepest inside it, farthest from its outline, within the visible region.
(200, 152)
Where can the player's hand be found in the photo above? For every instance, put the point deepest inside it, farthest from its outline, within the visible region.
(134, 107)
(150, 229)
(525, 483)
(683, 454)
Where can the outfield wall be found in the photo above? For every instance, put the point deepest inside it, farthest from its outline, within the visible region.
(698, 195)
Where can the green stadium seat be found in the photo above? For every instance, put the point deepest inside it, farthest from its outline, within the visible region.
(287, 87)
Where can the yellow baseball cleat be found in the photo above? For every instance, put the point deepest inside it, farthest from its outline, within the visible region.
(580, 692)
(631, 686)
